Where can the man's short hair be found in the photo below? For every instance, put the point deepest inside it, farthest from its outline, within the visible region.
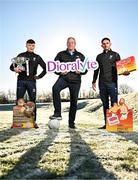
(71, 38)
(106, 38)
(30, 41)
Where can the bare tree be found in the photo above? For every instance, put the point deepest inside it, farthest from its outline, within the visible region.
(125, 89)
(11, 95)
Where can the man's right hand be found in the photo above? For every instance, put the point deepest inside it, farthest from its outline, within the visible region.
(64, 73)
(94, 86)
(17, 70)
(126, 73)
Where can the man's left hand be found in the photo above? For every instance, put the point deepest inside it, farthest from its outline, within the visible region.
(77, 72)
(126, 73)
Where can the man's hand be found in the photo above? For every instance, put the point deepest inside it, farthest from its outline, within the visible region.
(126, 73)
(17, 70)
(77, 72)
(94, 86)
(64, 73)
(36, 77)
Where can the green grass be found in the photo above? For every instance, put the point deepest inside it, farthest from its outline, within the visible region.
(85, 153)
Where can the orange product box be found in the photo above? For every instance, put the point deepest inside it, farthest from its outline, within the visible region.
(128, 64)
(119, 118)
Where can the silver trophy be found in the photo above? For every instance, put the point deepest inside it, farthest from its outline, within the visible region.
(19, 61)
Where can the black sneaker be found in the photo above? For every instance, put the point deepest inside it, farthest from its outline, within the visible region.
(72, 126)
(55, 117)
(103, 127)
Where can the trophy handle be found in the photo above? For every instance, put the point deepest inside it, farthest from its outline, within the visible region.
(13, 62)
(27, 66)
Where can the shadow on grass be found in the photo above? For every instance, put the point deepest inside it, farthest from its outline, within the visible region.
(133, 136)
(95, 108)
(83, 163)
(44, 105)
(9, 107)
(28, 162)
(6, 107)
(80, 105)
(8, 133)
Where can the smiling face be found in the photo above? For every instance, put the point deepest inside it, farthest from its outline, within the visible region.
(106, 45)
(30, 47)
(71, 44)
(122, 101)
(20, 102)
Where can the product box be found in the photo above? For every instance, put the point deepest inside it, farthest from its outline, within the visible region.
(126, 65)
(119, 118)
(23, 114)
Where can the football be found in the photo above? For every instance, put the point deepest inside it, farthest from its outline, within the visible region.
(54, 124)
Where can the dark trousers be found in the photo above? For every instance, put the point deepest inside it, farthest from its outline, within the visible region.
(30, 87)
(74, 91)
(108, 90)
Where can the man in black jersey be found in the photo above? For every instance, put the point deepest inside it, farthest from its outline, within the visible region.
(107, 76)
(107, 71)
(71, 80)
(25, 81)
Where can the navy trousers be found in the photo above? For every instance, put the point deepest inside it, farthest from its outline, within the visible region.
(108, 90)
(74, 91)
